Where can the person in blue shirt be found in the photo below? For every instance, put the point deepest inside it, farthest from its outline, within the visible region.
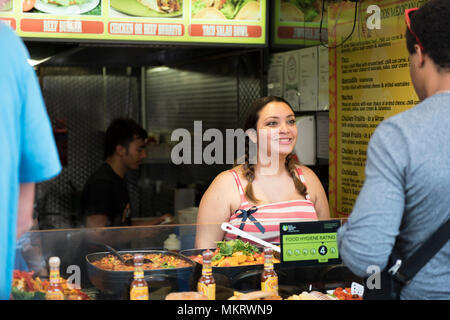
(29, 153)
(405, 196)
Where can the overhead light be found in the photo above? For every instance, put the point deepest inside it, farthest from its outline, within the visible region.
(34, 62)
(159, 69)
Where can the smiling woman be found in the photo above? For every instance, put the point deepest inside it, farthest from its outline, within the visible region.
(276, 188)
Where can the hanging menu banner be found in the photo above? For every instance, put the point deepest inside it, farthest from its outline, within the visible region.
(169, 21)
(369, 82)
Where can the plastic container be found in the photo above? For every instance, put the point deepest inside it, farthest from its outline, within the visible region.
(172, 243)
(187, 215)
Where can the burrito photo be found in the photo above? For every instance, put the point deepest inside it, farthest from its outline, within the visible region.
(162, 6)
(300, 10)
(226, 9)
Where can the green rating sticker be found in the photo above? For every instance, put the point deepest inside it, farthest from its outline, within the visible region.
(313, 246)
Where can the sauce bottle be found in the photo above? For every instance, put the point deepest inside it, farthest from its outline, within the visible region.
(139, 287)
(269, 278)
(206, 283)
(54, 290)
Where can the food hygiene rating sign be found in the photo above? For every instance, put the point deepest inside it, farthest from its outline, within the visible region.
(310, 243)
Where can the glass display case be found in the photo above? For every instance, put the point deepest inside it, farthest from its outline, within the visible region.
(81, 250)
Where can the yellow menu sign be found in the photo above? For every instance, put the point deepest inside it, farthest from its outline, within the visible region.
(174, 21)
(369, 82)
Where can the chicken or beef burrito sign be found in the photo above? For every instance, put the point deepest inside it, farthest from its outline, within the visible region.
(166, 21)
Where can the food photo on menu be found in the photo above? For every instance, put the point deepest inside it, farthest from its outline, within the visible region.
(63, 7)
(301, 10)
(226, 9)
(6, 5)
(146, 8)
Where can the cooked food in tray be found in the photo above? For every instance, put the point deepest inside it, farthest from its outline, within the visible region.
(26, 286)
(255, 295)
(345, 294)
(152, 261)
(313, 295)
(234, 253)
(337, 294)
(188, 295)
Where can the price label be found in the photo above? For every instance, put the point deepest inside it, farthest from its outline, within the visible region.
(310, 243)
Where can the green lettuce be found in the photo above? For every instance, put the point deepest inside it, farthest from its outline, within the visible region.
(227, 248)
(197, 6)
(231, 8)
(310, 14)
(307, 7)
(25, 295)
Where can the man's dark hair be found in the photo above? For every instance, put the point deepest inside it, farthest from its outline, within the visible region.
(122, 131)
(431, 24)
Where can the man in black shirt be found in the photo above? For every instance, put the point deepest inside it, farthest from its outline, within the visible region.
(105, 201)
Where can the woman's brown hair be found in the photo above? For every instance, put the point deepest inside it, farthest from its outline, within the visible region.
(249, 168)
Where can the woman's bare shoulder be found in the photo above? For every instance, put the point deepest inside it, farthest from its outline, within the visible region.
(222, 190)
(223, 181)
(308, 173)
(305, 170)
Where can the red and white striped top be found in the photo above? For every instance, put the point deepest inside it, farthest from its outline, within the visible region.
(270, 215)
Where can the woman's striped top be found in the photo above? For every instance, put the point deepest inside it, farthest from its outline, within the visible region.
(269, 216)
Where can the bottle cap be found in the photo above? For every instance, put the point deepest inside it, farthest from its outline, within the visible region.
(138, 258)
(54, 262)
(207, 255)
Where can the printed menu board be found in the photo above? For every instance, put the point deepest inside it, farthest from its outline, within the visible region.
(167, 21)
(369, 82)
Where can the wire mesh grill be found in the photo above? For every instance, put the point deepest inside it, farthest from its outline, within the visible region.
(87, 103)
(250, 83)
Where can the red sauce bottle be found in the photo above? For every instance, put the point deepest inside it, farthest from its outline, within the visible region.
(55, 290)
(139, 287)
(206, 283)
(269, 278)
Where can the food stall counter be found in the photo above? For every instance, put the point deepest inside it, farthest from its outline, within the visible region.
(97, 264)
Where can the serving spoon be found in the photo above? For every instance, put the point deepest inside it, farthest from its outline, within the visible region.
(116, 254)
(127, 262)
